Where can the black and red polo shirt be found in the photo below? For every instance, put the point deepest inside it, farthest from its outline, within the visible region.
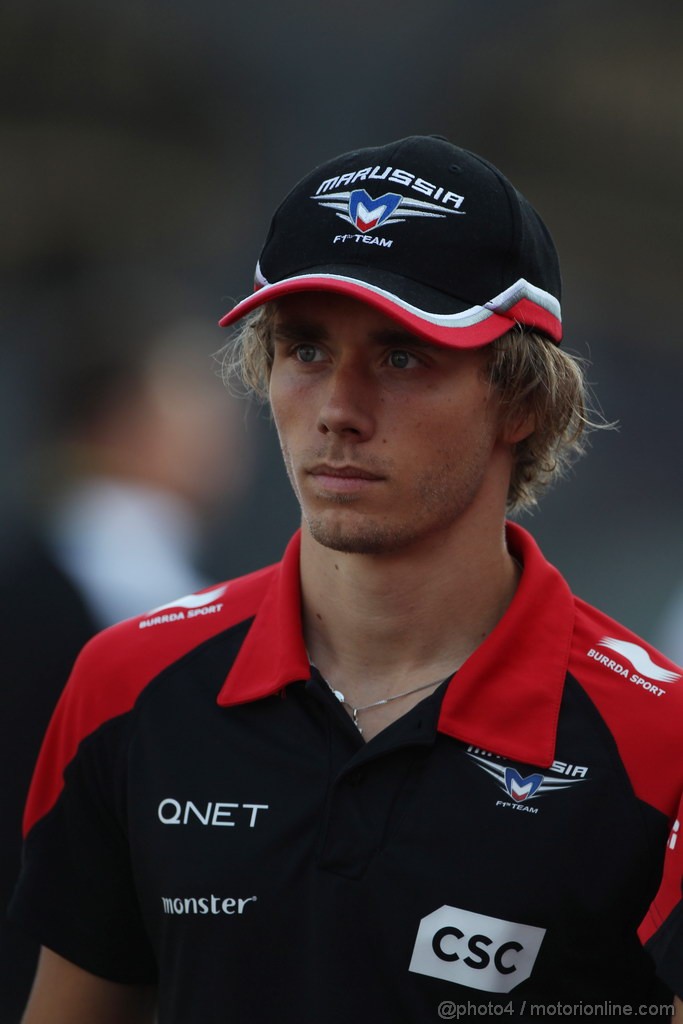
(205, 815)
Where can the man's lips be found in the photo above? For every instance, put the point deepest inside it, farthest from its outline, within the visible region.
(343, 479)
(344, 472)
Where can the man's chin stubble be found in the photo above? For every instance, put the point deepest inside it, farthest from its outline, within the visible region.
(364, 539)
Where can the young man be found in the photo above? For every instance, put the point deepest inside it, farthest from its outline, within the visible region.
(404, 774)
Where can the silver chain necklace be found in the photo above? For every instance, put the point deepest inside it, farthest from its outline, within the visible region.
(378, 703)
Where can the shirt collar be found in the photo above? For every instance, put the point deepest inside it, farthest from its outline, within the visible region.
(273, 653)
(505, 698)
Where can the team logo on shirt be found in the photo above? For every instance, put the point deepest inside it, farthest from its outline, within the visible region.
(209, 904)
(640, 659)
(647, 672)
(477, 951)
(185, 608)
(521, 788)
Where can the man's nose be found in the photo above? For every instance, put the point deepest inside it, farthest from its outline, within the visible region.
(348, 404)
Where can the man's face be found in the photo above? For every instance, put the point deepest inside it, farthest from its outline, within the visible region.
(387, 440)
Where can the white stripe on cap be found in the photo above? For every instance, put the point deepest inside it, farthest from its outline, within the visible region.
(524, 290)
(521, 289)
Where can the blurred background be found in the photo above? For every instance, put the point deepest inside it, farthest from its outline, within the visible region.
(144, 146)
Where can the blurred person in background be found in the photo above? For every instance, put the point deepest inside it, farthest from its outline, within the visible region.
(142, 448)
(670, 628)
(404, 771)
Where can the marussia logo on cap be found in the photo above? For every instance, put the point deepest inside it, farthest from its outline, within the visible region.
(364, 213)
(368, 213)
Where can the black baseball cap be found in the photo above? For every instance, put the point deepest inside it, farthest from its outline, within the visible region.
(433, 236)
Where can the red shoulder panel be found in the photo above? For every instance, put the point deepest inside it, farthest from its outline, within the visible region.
(117, 664)
(670, 889)
(639, 693)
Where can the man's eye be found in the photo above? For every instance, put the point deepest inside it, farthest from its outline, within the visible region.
(306, 353)
(401, 360)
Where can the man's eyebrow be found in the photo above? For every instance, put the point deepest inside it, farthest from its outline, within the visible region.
(299, 330)
(311, 331)
(397, 336)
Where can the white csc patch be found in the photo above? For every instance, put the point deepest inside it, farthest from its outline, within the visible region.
(475, 950)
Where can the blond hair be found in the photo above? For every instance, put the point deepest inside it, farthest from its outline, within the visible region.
(532, 375)
(536, 378)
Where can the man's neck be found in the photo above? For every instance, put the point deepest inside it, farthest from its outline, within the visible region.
(377, 625)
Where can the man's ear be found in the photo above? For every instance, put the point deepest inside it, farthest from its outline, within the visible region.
(516, 429)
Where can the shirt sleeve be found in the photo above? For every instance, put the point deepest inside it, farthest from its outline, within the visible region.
(663, 926)
(76, 892)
